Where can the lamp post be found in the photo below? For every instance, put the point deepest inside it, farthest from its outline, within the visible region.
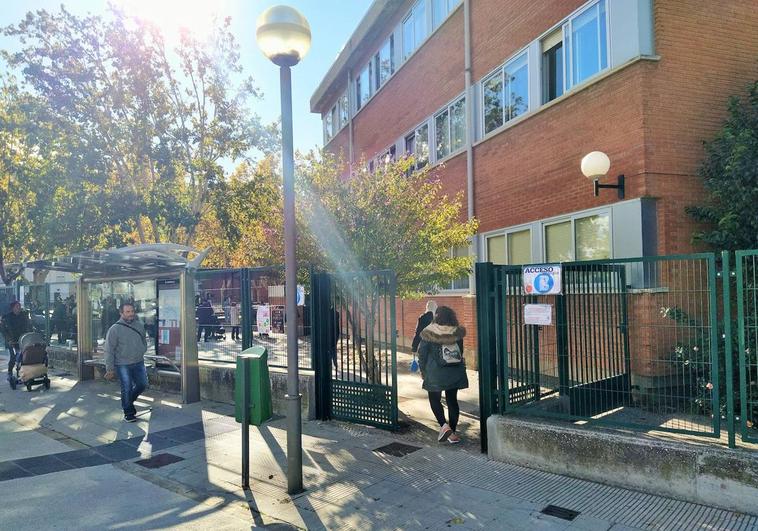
(595, 165)
(284, 36)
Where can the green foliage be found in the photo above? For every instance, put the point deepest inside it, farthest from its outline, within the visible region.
(155, 125)
(730, 175)
(393, 219)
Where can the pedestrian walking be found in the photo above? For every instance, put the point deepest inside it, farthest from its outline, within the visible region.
(14, 324)
(443, 369)
(125, 347)
(424, 320)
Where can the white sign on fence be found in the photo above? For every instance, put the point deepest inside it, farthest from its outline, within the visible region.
(542, 279)
(263, 319)
(538, 314)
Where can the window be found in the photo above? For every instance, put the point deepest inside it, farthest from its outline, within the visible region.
(513, 248)
(362, 88)
(414, 28)
(441, 9)
(520, 247)
(450, 129)
(506, 93)
(384, 64)
(496, 250)
(463, 282)
(552, 66)
(558, 242)
(589, 43)
(581, 238)
(328, 133)
(417, 145)
(575, 52)
(593, 238)
(344, 113)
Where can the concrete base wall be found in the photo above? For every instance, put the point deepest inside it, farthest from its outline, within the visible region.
(63, 359)
(709, 475)
(216, 382)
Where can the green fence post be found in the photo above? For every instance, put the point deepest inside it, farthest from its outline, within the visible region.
(247, 309)
(486, 345)
(726, 276)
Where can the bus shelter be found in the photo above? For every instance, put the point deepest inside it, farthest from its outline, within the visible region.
(159, 279)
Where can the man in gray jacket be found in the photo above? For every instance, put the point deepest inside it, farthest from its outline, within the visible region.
(125, 347)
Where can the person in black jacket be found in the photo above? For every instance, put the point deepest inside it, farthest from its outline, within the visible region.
(424, 320)
(14, 325)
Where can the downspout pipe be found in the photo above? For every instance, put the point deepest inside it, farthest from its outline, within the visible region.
(473, 248)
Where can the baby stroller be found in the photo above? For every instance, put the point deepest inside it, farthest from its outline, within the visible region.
(31, 365)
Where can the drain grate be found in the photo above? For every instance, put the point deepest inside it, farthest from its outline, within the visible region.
(397, 449)
(159, 460)
(560, 512)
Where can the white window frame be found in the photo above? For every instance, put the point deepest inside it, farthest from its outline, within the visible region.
(411, 17)
(572, 218)
(504, 234)
(524, 52)
(415, 134)
(449, 287)
(567, 26)
(448, 109)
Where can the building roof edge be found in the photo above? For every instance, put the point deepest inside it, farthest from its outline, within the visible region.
(366, 27)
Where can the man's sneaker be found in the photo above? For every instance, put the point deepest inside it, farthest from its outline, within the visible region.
(445, 432)
(130, 418)
(453, 438)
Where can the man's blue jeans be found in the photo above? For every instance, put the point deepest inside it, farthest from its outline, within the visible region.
(133, 381)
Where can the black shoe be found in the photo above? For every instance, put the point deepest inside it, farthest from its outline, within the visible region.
(130, 418)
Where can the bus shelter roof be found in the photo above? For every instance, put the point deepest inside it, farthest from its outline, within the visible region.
(126, 263)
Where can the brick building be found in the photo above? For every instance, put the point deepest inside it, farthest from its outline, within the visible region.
(507, 96)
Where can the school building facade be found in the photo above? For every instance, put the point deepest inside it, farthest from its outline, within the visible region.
(504, 97)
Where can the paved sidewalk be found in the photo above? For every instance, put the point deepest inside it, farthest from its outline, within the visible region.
(74, 464)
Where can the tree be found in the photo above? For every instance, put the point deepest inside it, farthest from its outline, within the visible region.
(730, 176)
(52, 200)
(162, 133)
(394, 219)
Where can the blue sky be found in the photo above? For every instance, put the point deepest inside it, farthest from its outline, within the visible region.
(332, 22)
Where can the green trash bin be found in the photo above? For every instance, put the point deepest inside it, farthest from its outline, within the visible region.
(256, 361)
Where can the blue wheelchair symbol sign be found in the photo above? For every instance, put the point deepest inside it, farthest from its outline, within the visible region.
(543, 283)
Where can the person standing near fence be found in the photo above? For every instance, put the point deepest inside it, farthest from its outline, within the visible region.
(14, 324)
(443, 369)
(125, 347)
(233, 318)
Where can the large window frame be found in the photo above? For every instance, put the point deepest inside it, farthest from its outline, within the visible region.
(503, 75)
(506, 242)
(414, 28)
(573, 218)
(446, 144)
(411, 145)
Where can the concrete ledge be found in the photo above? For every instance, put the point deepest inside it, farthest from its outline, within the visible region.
(714, 476)
(216, 381)
(63, 359)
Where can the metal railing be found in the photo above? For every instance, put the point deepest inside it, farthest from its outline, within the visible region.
(640, 343)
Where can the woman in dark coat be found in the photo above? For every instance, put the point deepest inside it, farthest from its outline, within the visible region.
(444, 369)
(424, 320)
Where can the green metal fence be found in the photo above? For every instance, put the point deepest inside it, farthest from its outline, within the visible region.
(633, 343)
(747, 324)
(355, 347)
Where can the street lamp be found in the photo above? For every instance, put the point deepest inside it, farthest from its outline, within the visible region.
(284, 36)
(595, 165)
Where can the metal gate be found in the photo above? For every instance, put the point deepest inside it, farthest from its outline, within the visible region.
(355, 347)
(583, 359)
(747, 324)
